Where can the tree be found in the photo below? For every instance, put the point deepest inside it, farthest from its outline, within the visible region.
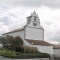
(18, 41)
(18, 44)
(10, 42)
(3, 41)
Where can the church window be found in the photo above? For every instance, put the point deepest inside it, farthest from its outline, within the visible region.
(35, 24)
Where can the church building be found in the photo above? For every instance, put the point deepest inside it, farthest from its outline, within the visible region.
(32, 34)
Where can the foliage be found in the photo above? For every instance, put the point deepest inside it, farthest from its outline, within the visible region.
(55, 57)
(23, 55)
(19, 49)
(2, 40)
(10, 42)
(14, 48)
(18, 41)
(29, 49)
(33, 55)
(8, 54)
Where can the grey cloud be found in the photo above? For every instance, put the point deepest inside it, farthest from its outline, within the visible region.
(26, 3)
(48, 23)
(56, 38)
(5, 20)
(37, 3)
(33, 3)
(3, 8)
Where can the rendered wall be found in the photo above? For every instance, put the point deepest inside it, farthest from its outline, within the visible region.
(56, 52)
(45, 49)
(19, 33)
(34, 33)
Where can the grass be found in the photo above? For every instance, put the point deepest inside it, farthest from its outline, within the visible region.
(7, 53)
(23, 55)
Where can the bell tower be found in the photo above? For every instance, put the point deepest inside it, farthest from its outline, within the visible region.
(33, 20)
(33, 29)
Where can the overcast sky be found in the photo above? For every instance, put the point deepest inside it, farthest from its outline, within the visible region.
(13, 15)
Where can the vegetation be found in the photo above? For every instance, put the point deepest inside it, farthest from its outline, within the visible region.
(8, 54)
(23, 55)
(33, 55)
(55, 57)
(28, 49)
(10, 42)
(13, 47)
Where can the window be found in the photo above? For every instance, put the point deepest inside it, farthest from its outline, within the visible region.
(34, 18)
(35, 24)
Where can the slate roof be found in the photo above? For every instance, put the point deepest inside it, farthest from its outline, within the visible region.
(38, 42)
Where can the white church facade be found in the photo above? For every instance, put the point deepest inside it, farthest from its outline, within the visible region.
(33, 34)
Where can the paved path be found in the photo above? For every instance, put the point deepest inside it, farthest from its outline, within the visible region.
(29, 59)
(5, 58)
(1, 57)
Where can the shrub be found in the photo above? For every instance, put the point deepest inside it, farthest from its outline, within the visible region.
(23, 55)
(33, 55)
(19, 49)
(28, 49)
(55, 57)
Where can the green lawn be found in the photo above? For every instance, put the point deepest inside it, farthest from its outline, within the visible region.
(23, 55)
(7, 53)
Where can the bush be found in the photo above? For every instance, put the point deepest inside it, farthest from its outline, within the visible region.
(28, 49)
(55, 57)
(19, 49)
(33, 55)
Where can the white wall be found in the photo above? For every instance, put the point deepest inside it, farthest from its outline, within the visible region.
(19, 33)
(56, 52)
(34, 33)
(26, 43)
(45, 49)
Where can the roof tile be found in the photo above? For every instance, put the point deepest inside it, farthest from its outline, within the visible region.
(38, 42)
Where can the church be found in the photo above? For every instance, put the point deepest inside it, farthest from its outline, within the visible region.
(32, 34)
